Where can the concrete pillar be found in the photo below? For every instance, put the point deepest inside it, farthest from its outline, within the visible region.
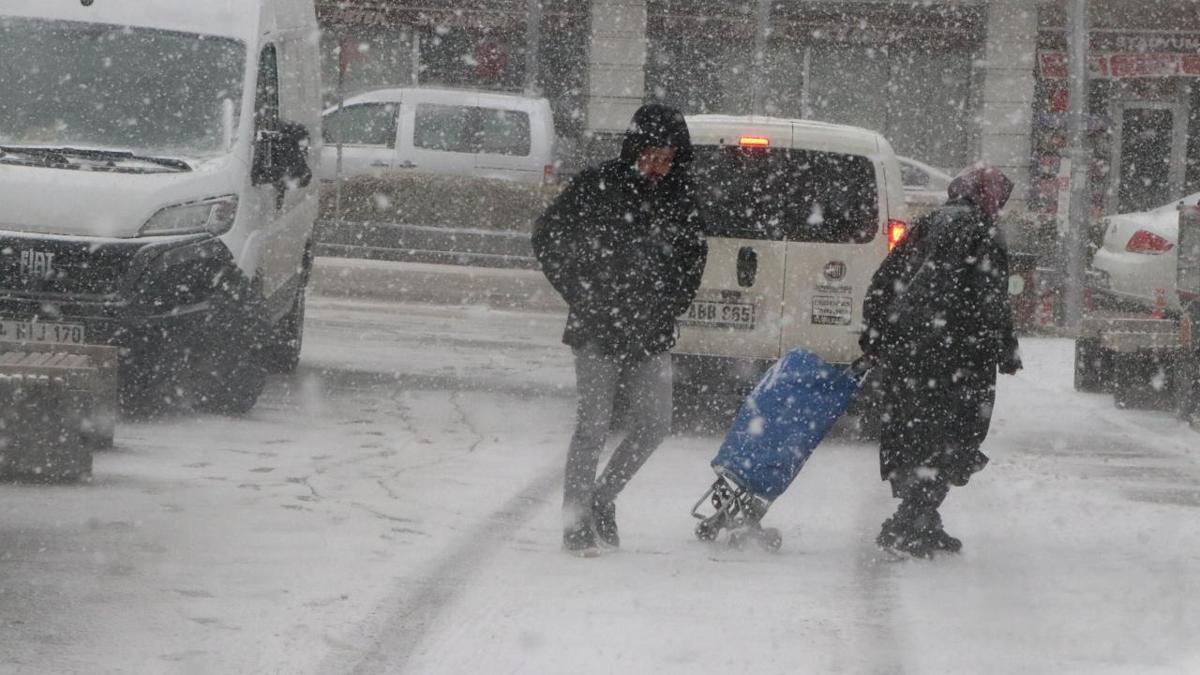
(616, 63)
(1006, 106)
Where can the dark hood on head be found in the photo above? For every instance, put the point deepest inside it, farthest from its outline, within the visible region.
(656, 125)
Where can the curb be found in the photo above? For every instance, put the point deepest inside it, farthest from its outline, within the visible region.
(434, 284)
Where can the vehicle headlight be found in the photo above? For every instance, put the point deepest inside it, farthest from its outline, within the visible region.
(214, 215)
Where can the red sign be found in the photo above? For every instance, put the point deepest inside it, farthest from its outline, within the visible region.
(1053, 65)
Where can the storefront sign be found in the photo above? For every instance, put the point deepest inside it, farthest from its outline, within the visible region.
(1117, 66)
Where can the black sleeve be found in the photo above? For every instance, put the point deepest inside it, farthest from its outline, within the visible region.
(558, 241)
(691, 254)
(992, 278)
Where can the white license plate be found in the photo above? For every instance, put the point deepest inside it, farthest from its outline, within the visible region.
(832, 310)
(719, 314)
(42, 331)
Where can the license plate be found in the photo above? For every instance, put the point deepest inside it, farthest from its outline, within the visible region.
(832, 310)
(41, 331)
(719, 314)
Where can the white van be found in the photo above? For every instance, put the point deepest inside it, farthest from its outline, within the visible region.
(799, 214)
(155, 188)
(444, 131)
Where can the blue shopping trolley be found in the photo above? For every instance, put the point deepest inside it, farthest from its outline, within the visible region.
(774, 433)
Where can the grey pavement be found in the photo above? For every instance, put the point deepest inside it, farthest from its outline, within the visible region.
(437, 284)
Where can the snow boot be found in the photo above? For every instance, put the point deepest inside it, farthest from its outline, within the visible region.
(940, 540)
(581, 541)
(604, 516)
(900, 539)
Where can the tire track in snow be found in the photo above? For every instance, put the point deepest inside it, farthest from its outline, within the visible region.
(400, 623)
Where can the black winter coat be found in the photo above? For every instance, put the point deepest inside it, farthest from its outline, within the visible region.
(626, 257)
(938, 324)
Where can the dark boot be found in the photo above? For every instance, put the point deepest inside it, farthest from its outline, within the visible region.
(897, 536)
(927, 527)
(581, 541)
(604, 516)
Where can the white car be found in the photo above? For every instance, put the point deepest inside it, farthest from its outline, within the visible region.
(799, 215)
(443, 131)
(1137, 258)
(924, 186)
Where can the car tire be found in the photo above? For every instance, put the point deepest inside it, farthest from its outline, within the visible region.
(1093, 365)
(1134, 378)
(226, 369)
(282, 355)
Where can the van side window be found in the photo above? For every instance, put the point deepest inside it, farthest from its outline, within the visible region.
(911, 176)
(472, 129)
(363, 124)
(792, 195)
(442, 127)
(503, 132)
(266, 98)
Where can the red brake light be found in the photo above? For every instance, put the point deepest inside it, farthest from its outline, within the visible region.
(548, 175)
(754, 142)
(1148, 243)
(896, 231)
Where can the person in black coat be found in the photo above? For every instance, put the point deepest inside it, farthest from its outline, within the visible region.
(624, 246)
(938, 327)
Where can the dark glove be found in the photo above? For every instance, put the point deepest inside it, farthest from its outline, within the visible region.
(1011, 363)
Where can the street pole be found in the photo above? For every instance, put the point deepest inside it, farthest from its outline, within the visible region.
(533, 35)
(341, 105)
(758, 78)
(1080, 201)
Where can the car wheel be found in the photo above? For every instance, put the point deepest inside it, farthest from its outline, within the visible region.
(225, 367)
(1142, 380)
(282, 355)
(1092, 365)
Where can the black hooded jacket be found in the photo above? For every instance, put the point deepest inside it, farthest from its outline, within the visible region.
(626, 255)
(938, 325)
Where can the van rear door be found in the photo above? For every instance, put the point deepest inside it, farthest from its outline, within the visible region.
(738, 311)
(836, 215)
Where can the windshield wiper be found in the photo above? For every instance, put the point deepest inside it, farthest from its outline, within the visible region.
(60, 156)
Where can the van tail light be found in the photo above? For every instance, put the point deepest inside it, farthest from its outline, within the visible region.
(1149, 243)
(896, 229)
(754, 142)
(549, 175)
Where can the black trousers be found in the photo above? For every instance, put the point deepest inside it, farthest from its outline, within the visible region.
(921, 493)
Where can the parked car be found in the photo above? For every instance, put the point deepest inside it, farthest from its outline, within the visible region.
(445, 131)
(1137, 257)
(799, 214)
(155, 188)
(924, 186)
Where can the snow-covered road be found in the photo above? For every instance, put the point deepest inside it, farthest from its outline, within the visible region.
(393, 507)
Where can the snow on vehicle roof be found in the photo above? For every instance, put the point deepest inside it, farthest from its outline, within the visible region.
(227, 18)
(708, 129)
(449, 94)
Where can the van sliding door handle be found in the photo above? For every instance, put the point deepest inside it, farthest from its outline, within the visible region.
(380, 164)
(406, 165)
(747, 266)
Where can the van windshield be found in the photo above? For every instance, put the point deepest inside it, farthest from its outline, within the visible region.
(793, 195)
(69, 84)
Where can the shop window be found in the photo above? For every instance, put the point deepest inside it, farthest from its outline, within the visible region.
(364, 124)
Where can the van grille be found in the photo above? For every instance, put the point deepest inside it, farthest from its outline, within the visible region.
(62, 268)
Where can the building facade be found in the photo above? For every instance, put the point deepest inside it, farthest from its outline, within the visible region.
(949, 82)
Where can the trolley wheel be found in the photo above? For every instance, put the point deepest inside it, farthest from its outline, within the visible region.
(771, 539)
(707, 530)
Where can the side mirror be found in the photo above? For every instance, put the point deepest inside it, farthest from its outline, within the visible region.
(281, 156)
